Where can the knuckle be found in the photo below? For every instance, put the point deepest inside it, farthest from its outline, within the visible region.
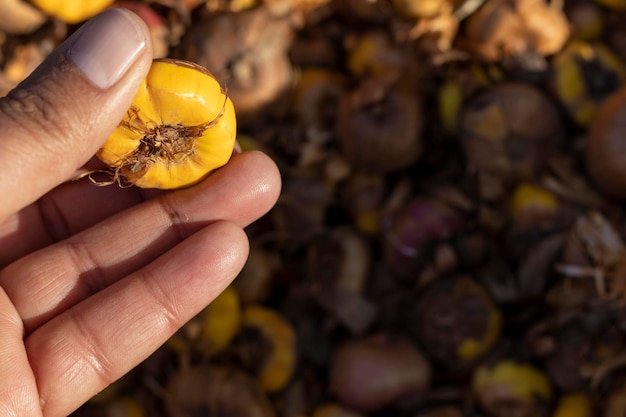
(36, 106)
(36, 110)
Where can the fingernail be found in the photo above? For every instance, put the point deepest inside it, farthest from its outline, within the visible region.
(106, 47)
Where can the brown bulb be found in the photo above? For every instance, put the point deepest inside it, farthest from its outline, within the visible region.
(606, 146)
(456, 322)
(372, 373)
(216, 390)
(379, 125)
(507, 28)
(510, 131)
(247, 52)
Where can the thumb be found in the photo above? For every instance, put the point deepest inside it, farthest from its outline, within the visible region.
(55, 120)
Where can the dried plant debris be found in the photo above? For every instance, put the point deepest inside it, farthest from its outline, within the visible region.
(450, 239)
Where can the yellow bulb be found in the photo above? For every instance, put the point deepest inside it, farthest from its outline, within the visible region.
(519, 380)
(222, 321)
(213, 329)
(531, 197)
(471, 348)
(423, 8)
(280, 362)
(573, 405)
(584, 75)
(450, 100)
(72, 11)
(374, 53)
(126, 407)
(180, 127)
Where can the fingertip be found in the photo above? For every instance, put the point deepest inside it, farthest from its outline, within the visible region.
(211, 257)
(258, 165)
(241, 191)
(229, 247)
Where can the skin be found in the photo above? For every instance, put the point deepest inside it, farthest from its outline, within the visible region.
(94, 279)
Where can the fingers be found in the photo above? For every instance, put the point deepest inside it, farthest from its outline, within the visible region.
(53, 279)
(233, 189)
(66, 210)
(55, 121)
(74, 206)
(92, 344)
(18, 388)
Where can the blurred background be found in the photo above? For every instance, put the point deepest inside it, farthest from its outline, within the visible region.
(449, 241)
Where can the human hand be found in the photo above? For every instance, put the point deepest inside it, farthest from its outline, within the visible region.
(94, 279)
